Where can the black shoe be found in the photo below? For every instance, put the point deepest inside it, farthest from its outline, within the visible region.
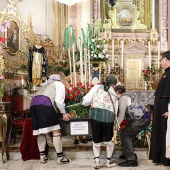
(122, 157)
(84, 141)
(76, 141)
(130, 163)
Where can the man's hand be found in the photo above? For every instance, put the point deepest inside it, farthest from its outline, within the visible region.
(66, 117)
(165, 115)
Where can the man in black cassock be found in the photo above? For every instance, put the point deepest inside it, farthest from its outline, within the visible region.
(159, 123)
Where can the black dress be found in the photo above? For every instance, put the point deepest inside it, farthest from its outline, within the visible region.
(159, 122)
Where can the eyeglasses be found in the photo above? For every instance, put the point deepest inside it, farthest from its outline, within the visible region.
(161, 59)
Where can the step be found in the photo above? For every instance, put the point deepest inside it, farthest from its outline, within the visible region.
(74, 151)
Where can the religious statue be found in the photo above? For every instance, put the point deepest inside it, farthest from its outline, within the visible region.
(37, 63)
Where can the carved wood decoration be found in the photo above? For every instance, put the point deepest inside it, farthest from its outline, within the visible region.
(49, 48)
(19, 37)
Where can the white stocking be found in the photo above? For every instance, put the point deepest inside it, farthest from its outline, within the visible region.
(109, 149)
(57, 142)
(41, 140)
(96, 150)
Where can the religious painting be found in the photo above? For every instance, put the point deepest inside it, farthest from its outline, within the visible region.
(13, 37)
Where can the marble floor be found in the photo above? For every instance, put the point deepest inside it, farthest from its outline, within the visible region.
(81, 156)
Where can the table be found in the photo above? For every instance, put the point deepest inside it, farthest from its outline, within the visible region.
(5, 128)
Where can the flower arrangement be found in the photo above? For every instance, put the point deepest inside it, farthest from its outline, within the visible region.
(98, 50)
(146, 75)
(74, 96)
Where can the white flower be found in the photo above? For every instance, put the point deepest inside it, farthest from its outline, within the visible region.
(99, 38)
(107, 55)
(93, 40)
(104, 51)
(98, 46)
(95, 56)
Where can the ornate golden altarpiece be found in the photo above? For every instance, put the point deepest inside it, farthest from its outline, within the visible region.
(18, 56)
(130, 22)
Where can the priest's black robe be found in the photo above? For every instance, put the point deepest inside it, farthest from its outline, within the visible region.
(159, 122)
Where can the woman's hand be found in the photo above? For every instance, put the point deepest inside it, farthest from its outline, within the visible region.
(66, 117)
(165, 115)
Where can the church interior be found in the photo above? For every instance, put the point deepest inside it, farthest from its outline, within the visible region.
(83, 41)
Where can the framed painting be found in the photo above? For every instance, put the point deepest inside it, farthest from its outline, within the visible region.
(13, 37)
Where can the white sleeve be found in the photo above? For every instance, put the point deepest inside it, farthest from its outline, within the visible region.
(60, 96)
(87, 99)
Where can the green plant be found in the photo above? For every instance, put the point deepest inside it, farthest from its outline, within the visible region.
(74, 96)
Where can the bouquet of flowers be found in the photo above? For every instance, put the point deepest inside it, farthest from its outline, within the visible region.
(98, 50)
(74, 96)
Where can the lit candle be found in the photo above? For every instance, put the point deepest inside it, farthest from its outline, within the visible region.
(158, 54)
(149, 46)
(113, 53)
(122, 54)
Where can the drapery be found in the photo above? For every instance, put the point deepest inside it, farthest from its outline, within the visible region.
(60, 17)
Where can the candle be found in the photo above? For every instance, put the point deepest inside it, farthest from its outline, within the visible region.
(158, 54)
(22, 81)
(70, 66)
(104, 64)
(81, 63)
(113, 53)
(109, 68)
(34, 88)
(149, 46)
(74, 67)
(122, 54)
(89, 70)
(85, 66)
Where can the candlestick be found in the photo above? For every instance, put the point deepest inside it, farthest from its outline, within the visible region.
(113, 53)
(158, 55)
(122, 53)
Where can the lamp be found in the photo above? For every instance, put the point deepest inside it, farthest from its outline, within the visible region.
(69, 2)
